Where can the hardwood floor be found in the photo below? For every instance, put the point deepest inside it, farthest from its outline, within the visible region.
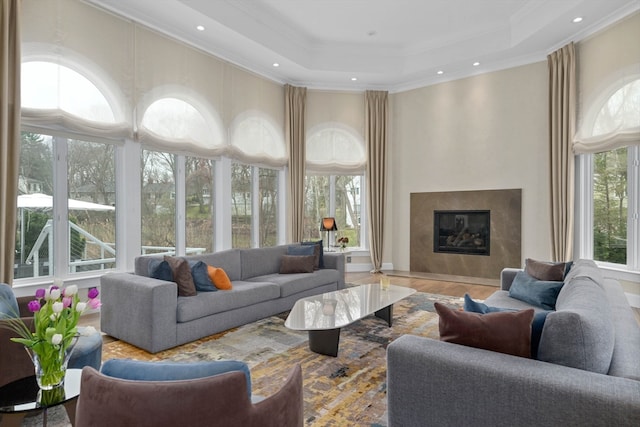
(432, 286)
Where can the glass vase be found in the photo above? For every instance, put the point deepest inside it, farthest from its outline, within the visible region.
(51, 365)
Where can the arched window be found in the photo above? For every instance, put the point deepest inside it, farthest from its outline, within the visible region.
(333, 147)
(256, 139)
(609, 191)
(172, 124)
(56, 96)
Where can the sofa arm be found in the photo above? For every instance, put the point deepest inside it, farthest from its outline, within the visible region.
(335, 260)
(439, 383)
(506, 277)
(139, 310)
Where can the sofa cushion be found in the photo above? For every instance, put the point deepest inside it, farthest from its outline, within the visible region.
(504, 332)
(540, 293)
(549, 271)
(258, 262)
(291, 264)
(242, 295)
(585, 268)
(182, 276)
(301, 250)
(580, 333)
(200, 274)
(291, 284)
(536, 325)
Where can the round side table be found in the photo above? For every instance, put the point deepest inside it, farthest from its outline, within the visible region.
(22, 397)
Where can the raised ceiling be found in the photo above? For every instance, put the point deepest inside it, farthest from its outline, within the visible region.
(390, 45)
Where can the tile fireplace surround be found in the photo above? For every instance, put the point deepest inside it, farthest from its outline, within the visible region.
(505, 207)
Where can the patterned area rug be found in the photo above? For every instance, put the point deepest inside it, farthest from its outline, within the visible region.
(346, 390)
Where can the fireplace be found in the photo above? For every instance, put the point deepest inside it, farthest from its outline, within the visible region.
(462, 232)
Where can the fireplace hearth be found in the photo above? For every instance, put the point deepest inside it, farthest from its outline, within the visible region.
(462, 232)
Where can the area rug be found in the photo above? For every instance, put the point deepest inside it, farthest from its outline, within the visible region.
(349, 389)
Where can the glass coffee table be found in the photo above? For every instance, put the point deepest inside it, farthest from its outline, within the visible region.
(22, 397)
(324, 315)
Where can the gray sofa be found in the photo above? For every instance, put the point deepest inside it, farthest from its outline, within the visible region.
(149, 314)
(437, 383)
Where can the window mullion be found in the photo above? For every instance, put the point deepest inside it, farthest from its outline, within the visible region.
(59, 250)
(633, 207)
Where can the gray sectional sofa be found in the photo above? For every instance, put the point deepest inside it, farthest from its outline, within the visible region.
(149, 314)
(587, 372)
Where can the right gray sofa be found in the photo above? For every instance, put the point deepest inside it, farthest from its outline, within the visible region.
(590, 375)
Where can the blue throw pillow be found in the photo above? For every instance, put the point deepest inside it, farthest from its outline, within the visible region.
(139, 370)
(536, 325)
(536, 292)
(159, 269)
(300, 250)
(8, 303)
(200, 274)
(319, 243)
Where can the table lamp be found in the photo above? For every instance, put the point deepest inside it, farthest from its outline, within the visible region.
(328, 224)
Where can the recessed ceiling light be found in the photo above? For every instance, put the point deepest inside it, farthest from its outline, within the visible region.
(577, 19)
(353, 79)
(475, 64)
(200, 28)
(275, 64)
(440, 72)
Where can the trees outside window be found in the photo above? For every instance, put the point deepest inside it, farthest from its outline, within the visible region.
(610, 206)
(338, 196)
(158, 202)
(200, 203)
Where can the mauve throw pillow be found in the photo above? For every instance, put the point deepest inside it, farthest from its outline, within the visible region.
(182, 276)
(504, 332)
(536, 325)
(291, 264)
(548, 271)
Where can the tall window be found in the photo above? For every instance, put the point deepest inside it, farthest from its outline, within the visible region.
(610, 181)
(158, 202)
(338, 196)
(241, 205)
(86, 203)
(200, 191)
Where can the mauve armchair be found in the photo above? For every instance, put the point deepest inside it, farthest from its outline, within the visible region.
(221, 399)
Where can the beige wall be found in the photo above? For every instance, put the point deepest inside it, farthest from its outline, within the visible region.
(479, 133)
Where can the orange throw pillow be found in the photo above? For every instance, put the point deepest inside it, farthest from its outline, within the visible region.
(219, 278)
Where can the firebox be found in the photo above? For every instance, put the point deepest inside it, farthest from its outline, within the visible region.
(462, 232)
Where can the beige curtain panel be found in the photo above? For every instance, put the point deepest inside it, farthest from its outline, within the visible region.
(9, 132)
(295, 102)
(376, 129)
(562, 113)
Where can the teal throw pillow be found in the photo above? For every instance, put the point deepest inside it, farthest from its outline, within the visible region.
(536, 325)
(200, 274)
(540, 293)
(319, 243)
(159, 269)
